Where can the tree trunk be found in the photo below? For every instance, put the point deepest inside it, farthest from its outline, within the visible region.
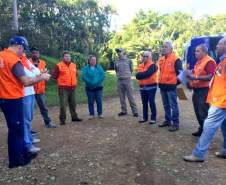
(15, 16)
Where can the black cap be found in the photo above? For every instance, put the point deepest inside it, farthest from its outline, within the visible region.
(119, 50)
(34, 49)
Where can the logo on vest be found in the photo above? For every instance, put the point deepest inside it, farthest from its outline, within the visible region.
(215, 99)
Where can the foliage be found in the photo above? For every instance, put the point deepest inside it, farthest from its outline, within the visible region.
(82, 27)
(104, 62)
(79, 59)
(57, 25)
(148, 31)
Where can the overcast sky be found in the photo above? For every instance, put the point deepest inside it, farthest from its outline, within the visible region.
(127, 8)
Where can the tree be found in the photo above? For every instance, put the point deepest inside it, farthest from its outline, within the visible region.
(149, 30)
(15, 16)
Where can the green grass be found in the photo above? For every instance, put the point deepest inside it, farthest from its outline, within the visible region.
(110, 85)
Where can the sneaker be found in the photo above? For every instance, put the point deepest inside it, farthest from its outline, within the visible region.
(221, 155)
(50, 125)
(173, 128)
(143, 121)
(151, 122)
(101, 116)
(76, 119)
(34, 133)
(91, 117)
(35, 136)
(35, 140)
(197, 134)
(34, 149)
(165, 124)
(23, 162)
(135, 115)
(192, 158)
(122, 114)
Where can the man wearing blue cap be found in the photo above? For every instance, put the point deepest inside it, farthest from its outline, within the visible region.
(12, 82)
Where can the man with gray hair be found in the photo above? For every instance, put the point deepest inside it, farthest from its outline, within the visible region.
(170, 66)
(147, 78)
(217, 112)
(124, 70)
(200, 78)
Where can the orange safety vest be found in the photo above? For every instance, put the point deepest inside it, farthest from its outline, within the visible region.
(10, 86)
(167, 70)
(199, 70)
(40, 87)
(67, 74)
(217, 91)
(24, 62)
(144, 67)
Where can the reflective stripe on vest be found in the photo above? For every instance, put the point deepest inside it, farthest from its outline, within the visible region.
(217, 91)
(152, 79)
(167, 70)
(40, 87)
(199, 70)
(24, 62)
(10, 86)
(67, 74)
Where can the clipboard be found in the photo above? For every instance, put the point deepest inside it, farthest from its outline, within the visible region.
(182, 77)
(181, 94)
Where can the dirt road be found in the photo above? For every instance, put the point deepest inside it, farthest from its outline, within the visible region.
(115, 151)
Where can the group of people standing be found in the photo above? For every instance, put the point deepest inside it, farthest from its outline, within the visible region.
(17, 77)
(169, 66)
(207, 80)
(23, 81)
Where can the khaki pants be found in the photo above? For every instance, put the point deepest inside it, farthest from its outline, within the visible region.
(67, 96)
(125, 88)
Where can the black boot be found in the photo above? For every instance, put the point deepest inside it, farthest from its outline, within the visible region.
(22, 162)
(165, 124)
(197, 134)
(122, 114)
(76, 119)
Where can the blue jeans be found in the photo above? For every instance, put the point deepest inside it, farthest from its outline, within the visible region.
(169, 100)
(148, 96)
(216, 118)
(40, 99)
(92, 97)
(28, 108)
(13, 112)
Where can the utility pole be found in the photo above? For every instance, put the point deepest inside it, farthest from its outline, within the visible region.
(15, 25)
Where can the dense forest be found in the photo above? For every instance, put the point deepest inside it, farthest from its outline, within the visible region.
(83, 27)
(80, 26)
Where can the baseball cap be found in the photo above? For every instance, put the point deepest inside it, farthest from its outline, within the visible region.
(119, 50)
(19, 40)
(34, 49)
